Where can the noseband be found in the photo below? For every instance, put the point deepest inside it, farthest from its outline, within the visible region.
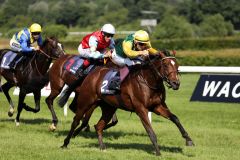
(163, 76)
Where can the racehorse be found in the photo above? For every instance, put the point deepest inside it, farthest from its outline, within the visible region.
(58, 77)
(31, 75)
(142, 91)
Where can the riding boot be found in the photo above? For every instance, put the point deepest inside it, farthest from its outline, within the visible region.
(14, 62)
(115, 83)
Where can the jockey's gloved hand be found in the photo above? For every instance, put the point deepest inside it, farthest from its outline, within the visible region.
(144, 53)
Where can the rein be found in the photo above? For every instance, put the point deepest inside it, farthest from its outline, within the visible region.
(162, 76)
(35, 60)
(45, 54)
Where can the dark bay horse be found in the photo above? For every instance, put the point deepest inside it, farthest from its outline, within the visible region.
(142, 91)
(31, 75)
(58, 77)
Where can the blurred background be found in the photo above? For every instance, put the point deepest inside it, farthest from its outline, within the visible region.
(203, 32)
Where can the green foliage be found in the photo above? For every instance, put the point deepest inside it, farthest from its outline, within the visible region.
(215, 26)
(176, 18)
(18, 21)
(11, 32)
(173, 27)
(197, 44)
(58, 31)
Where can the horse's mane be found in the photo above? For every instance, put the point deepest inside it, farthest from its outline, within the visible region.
(47, 40)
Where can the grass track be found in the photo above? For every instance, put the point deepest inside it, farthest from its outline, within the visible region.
(214, 128)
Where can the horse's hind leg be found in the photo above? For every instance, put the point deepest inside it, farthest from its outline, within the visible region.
(37, 96)
(165, 112)
(107, 114)
(6, 87)
(85, 121)
(78, 116)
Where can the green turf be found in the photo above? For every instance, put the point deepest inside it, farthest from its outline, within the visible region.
(214, 128)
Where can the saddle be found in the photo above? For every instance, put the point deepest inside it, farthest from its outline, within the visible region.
(79, 66)
(11, 59)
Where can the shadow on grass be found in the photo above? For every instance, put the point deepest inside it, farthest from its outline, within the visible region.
(107, 134)
(29, 121)
(138, 146)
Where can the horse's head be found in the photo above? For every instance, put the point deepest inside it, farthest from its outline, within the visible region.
(52, 48)
(166, 67)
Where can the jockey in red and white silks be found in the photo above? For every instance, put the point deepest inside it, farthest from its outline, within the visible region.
(95, 44)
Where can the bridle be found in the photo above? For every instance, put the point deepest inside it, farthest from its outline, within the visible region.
(156, 69)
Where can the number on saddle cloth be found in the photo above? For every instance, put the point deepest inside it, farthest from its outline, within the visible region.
(75, 66)
(7, 59)
(110, 75)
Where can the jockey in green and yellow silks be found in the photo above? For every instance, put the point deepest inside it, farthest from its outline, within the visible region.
(131, 48)
(22, 40)
(129, 52)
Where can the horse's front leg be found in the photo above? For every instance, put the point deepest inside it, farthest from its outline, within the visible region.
(143, 114)
(49, 100)
(37, 96)
(165, 112)
(22, 95)
(5, 88)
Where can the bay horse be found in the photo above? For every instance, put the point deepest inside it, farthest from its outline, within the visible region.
(58, 77)
(142, 91)
(31, 75)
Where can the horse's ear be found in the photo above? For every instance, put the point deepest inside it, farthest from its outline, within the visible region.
(174, 53)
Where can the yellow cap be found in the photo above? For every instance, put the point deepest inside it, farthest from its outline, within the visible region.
(35, 28)
(141, 36)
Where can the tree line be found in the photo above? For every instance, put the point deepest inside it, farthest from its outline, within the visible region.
(176, 18)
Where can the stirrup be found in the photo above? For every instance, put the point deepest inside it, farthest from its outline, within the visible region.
(114, 85)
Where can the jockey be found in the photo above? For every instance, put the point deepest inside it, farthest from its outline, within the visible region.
(22, 40)
(92, 47)
(129, 52)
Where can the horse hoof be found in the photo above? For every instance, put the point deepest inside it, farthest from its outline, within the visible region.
(10, 114)
(189, 143)
(17, 123)
(102, 147)
(63, 147)
(52, 128)
(158, 154)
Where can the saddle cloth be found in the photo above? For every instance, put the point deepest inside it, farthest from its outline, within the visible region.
(7, 59)
(73, 64)
(106, 81)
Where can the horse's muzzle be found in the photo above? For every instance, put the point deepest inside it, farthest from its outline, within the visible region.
(175, 85)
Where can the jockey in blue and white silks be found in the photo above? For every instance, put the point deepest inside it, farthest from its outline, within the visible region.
(22, 40)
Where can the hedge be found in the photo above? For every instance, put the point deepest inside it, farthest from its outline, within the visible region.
(184, 44)
(209, 61)
(197, 44)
